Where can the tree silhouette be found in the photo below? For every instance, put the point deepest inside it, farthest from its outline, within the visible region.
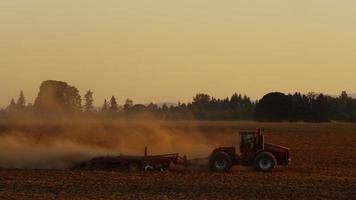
(21, 101)
(320, 112)
(201, 106)
(88, 98)
(241, 107)
(128, 104)
(57, 97)
(114, 107)
(300, 107)
(345, 106)
(274, 106)
(201, 100)
(12, 106)
(105, 107)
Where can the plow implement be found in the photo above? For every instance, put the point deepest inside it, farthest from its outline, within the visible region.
(133, 163)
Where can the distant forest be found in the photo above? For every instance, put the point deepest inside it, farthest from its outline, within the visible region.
(57, 99)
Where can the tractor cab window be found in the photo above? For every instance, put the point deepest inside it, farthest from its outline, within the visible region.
(248, 141)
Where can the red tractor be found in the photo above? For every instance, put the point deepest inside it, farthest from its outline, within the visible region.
(253, 152)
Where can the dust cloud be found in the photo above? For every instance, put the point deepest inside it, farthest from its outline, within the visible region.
(60, 145)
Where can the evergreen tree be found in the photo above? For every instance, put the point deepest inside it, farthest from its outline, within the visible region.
(105, 107)
(114, 107)
(88, 98)
(12, 107)
(21, 101)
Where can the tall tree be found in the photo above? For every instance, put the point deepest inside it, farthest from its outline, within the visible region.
(128, 104)
(236, 100)
(57, 97)
(273, 106)
(21, 101)
(105, 107)
(88, 104)
(201, 100)
(300, 107)
(320, 112)
(201, 106)
(12, 106)
(114, 107)
(346, 105)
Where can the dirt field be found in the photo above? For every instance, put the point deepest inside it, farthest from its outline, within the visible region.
(323, 167)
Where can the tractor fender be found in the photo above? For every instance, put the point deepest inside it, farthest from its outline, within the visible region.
(231, 151)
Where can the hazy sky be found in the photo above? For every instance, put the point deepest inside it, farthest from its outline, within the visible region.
(168, 50)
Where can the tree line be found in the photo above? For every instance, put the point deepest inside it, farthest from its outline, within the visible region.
(57, 99)
(309, 107)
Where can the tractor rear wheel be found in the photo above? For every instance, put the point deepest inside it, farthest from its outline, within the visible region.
(265, 162)
(220, 162)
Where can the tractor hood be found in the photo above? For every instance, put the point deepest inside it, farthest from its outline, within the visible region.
(281, 153)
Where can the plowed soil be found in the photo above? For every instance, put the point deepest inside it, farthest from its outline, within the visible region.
(323, 167)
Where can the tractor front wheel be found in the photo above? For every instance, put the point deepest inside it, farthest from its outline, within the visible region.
(220, 162)
(265, 162)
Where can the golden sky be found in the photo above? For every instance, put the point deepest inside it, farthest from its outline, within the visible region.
(169, 50)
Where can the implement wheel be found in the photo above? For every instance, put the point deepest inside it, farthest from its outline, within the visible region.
(220, 162)
(134, 166)
(149, 168)
(265, 162)
(164, 167)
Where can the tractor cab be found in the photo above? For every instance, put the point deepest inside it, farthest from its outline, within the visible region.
(251, 141)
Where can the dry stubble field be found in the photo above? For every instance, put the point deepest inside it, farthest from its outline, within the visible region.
(323, 167)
